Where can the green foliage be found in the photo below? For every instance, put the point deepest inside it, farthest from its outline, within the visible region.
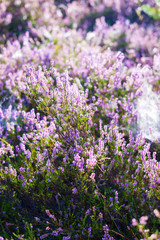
(153, 12)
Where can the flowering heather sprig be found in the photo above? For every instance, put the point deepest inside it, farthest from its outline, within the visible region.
(92, 177)
(106, 233)
(79, 162)
(50, 215)
(91, 161)
(4, 150)
(141, 227)
(151, 166)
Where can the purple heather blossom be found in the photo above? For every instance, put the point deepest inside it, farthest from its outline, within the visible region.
(134, 222)
(92, 177)
(100, 216)
(89, 231)
(106, 233)
(87, 212)
(91, 162)
(143, 220)
(111, 200)
(56, 232)
(50, 215)
(116, 197)
(44, 235)
(79, 162)
(93, 208)
(28, 154)
(74, 190)
(66, 238)
(156, 213)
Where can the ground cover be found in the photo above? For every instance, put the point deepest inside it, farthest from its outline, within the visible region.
(73, 162)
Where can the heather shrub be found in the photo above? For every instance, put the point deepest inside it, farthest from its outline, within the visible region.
(72, 163)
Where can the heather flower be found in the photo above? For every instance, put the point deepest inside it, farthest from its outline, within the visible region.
(74, 190)
(51, 215)
(37, 219)
(143, 220)
(87, 212)
(44, 236)
(153, 236)
(92, 177)
(89, 231)
(116, 197)
(100, 216)
(106, 233)
(48, 163)
(92, 160)
(93, 208)
(156, 213)
(111, 200)
(134, 222)
(79, 162)
(22, 146)
(66, 238)
(120, 56)
(28, 154)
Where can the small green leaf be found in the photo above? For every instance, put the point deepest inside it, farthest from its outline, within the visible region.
(150, 11)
